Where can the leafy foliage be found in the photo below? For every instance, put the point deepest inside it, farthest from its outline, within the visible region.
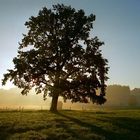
(52, 59)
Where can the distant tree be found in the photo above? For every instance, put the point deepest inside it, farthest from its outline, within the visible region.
(51, 57)
(118, 95)
(135, 91)
(132, 101)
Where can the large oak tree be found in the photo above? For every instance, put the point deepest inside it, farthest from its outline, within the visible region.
(58, 57)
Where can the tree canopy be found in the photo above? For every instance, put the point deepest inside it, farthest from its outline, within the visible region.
(58, 57)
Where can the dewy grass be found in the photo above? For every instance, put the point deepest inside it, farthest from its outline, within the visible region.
(70, 125)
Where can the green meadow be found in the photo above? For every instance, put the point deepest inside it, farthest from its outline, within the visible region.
(107, 124)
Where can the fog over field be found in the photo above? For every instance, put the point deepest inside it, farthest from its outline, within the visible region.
(12, 98)
(116, 95)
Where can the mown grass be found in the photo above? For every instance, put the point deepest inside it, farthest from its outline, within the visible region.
(70, 125)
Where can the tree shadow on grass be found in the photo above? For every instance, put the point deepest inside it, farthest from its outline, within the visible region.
(128, 124)
(73, 126)
(8, 129)
(98, 132)
(103, 133)
(4, 135)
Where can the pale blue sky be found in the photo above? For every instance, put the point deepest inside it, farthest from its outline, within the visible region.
(117, 24)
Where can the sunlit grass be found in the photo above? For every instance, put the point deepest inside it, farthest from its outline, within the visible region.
(70, 125)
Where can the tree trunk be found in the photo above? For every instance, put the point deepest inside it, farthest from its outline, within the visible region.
(53, 107)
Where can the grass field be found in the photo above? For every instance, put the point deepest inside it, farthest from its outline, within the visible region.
(115, 124)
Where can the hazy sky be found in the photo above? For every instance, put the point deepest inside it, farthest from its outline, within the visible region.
(117, 24)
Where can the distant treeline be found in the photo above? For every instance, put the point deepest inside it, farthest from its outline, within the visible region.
(118, 95)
